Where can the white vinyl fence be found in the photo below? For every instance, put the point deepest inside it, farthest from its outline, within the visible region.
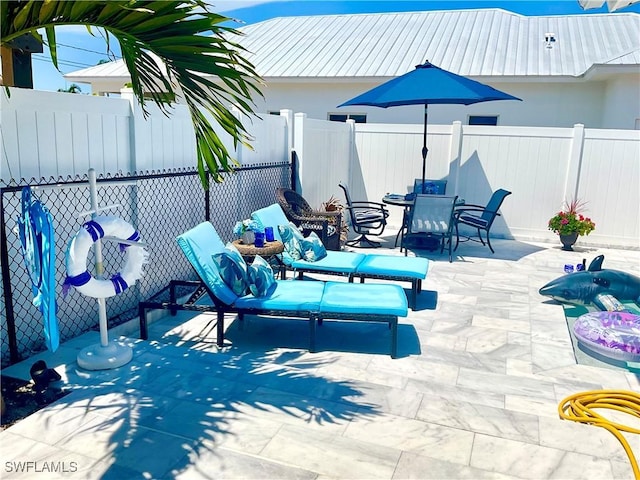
(54, 134)
(47, 134)
(543, 167)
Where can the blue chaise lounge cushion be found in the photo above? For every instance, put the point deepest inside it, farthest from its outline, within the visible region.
(288, 295)
(198, 244)
(364, 299)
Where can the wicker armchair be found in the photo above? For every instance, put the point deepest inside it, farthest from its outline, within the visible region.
(326, 225)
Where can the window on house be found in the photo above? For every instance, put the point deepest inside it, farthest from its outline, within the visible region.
(273, 112)
(483, 120)
(343, 117)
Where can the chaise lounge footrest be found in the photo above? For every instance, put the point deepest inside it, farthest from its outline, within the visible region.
(396, 268)
(369, 303)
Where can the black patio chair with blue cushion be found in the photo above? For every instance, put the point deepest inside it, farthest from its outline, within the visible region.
(431, 187)
(480, 217)
(367, 218)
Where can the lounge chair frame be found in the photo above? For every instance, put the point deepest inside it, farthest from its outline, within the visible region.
(301, 267)
(314, 316)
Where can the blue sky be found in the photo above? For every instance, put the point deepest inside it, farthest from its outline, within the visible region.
(78, 49)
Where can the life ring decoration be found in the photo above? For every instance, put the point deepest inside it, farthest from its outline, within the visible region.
(76, 259)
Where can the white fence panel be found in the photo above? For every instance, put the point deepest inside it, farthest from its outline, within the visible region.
(162, 142)
(530, 162)
(55, 134)
(610, 182)
(269, 140)
(389, 157)
(323, 153)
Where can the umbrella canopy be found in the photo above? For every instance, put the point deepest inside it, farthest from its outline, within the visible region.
(612, 5)
(426, 85)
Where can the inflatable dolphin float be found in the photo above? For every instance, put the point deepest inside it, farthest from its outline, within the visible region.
(594, 286)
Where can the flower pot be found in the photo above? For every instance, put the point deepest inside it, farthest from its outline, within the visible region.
(248, 237)
(568, 240)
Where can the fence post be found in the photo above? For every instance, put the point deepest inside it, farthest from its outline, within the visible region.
(574, 164)
(6, 286)
(139, 138)
(288, 116)
(455, 153)
(351, 154)
(298, 145)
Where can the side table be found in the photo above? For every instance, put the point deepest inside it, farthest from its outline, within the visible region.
(270, 252)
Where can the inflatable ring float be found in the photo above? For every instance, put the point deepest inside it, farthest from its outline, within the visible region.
(77, 274)
(615, 335)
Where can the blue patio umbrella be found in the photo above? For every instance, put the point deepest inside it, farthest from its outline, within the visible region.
(427, 85)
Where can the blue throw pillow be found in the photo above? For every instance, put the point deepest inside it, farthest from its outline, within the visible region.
(312, 248)
(261, 279)
(292, 240)
(233, 269)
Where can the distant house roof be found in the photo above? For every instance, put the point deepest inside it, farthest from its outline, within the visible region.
(477, 43)
(490, 42)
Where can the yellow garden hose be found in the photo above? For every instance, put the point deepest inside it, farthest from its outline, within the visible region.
(579, 407)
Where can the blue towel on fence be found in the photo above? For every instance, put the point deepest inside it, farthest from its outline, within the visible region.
(38, 247)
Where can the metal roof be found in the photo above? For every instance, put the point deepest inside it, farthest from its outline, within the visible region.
(477, 43)
(489, 42)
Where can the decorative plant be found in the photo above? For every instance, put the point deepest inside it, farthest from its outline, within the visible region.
(248, 225)
(570, 220)
(335, 205)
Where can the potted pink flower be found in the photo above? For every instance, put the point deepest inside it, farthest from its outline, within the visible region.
(569, 223)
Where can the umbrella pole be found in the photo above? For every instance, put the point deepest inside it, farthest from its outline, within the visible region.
(425, 150)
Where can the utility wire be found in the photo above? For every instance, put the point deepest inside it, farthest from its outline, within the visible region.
(108, 55)
(68, 63)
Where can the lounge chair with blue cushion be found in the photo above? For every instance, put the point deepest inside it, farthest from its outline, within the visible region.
(351, 264)
(312, 300)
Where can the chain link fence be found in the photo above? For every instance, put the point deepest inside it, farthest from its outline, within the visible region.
(160, 206)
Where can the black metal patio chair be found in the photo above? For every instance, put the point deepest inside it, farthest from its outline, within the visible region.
(480, 217)
(367, 218)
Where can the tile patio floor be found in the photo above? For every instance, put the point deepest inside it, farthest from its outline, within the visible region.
(484, 362)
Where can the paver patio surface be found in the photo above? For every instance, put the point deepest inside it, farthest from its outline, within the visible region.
(483, 363)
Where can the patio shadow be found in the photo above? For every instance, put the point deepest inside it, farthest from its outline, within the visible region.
(168, 412)
(332, 336)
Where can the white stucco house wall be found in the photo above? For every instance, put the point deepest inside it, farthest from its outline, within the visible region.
(566, 69)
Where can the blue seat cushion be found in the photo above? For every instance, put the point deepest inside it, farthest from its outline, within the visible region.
(394, 266)
(288, 296)
(370, 215)
(198, 245)
(363, 298)
(340, 262)
(473, 220)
